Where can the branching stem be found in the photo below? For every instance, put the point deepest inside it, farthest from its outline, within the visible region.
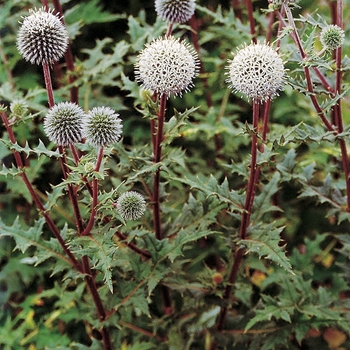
(245, 218)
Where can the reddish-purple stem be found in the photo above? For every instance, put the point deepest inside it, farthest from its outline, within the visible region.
(91, 222)
(251, 20)
(245, 218)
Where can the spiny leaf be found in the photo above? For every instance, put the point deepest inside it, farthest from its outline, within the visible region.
(26, 238)
(39, 150)
(99, 247)
(211, 188)
(262, 203)
(264, 240)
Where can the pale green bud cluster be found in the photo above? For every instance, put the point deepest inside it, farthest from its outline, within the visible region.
(332, 37)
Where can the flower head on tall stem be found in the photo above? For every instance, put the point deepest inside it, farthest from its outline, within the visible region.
(167, 66)
(102, 127)
(131, 205)
(257, 71)
(63, 124)
(42, 38)
(332, 37)
(175, 11)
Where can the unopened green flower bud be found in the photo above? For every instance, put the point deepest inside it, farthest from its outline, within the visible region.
(131, 205)
(89, 167)
(18, 108)
(332, 37)
(102, 127)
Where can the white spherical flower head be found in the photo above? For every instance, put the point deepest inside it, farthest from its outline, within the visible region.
(63, 124)
(175, 11)
(102, 127)
(131, 205)
(167, 66)
(42, 38)
(332, 37)
(256, 71)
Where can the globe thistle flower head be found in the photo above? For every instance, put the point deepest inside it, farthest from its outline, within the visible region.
(102, 127)
(175, 11)
(167, 66)
(257, 71)
(131, 205)
(63, 123)
(42, 37)
(332, 37)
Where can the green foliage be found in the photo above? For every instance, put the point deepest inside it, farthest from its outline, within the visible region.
(73, 269)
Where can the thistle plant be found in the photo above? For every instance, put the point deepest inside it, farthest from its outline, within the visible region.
(102, 127)
(332, 37)
(42, 38)
(131, 205)
(175, 11)
(167, 66)
(63, 124)
(257, 71)
(176, 184)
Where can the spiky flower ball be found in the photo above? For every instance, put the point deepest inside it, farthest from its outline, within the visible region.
(131, 205)
(102, 127)
(167, 66)
(42, 38)
(63, 123)
(175, 11)
(256, 71)
(332, 37)
(18, 108)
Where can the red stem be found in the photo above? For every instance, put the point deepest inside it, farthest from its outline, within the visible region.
(337, 108)
(157, 159)
(251, 20)
(245, 218)
(236, 5)
(307, 71)
(91, 222)
(156, 191)
(48, 84)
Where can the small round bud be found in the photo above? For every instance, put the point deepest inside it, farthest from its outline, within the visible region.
(256, 71)
(102, 127)
(42, 38)
(332, 37)
(175, 11)
(167, 66)
(131, 205)
(63, 124)
(18, 108)
(217, 278)
(89, 167)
